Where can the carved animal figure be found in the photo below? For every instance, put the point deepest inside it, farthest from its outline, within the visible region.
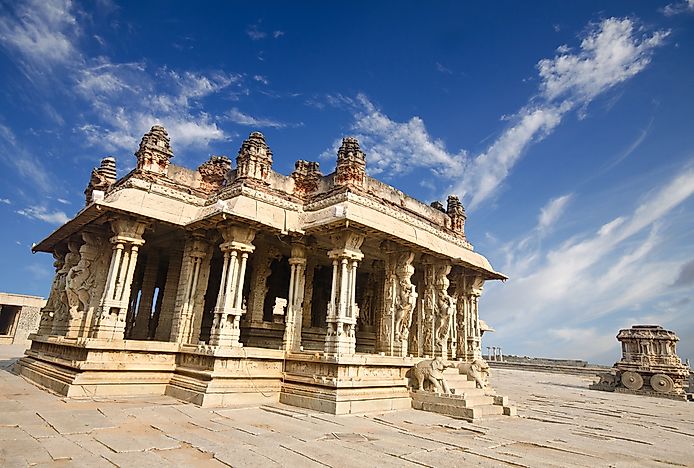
(478, 370)
(430, 371)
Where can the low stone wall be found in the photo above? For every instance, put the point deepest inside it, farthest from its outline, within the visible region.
(550, 368)
(25, 321)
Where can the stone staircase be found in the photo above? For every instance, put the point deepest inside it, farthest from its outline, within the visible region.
(466, 401)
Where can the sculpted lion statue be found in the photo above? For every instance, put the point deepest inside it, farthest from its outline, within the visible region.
(477, 370)
(430, 372)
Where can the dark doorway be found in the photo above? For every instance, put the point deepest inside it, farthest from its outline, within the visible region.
(277, 286)
(322, 286)
(8, 316)
(213, 283)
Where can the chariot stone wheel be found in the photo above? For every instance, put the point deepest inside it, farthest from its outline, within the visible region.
(632, 380)
(662, 383)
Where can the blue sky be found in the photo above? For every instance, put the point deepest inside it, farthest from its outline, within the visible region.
(565, 126)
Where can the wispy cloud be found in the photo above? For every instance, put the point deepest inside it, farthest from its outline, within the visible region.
(683, 6)
(610, 53)
(238, 117)
(42, 213)
(443, 69)
(551, 212)
(14, 155)
(42, 32)
(396, 147)
(125, 98)
(5, 201)
(255, 33)
(607, 269)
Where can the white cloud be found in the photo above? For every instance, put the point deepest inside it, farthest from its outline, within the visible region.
(128, 99)
(43, 32)
(5, 201)
(486, 171)
(396, 147)
(609, 54)
(43, 214)
(253, 31)
(30, 168)
(240, 118)
(551, 212)
(277, 34)
(261, 79)
(683, 6)
(599, 274)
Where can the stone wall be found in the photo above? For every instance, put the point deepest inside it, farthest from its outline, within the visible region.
(27, 317)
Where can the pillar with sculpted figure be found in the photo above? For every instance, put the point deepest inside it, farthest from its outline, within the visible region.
(113, 306)
(436, 310)
(294, 315)
(467, 292)
(400, 299)
(53, 301)
(192, 285)
(61, 314)
(84, 284)
(343, 310)
(236, 249)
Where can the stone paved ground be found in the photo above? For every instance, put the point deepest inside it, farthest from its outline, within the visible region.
(560, 423)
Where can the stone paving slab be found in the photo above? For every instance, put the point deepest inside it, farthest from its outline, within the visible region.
(560, 423)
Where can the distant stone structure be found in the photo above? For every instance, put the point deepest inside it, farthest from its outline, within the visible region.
(649, 364)
(225, 285)
(19, 317)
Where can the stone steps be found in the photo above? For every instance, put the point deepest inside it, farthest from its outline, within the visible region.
(466, 401)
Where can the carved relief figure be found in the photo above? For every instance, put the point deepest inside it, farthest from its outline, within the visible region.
(406, 297)
(72, 258)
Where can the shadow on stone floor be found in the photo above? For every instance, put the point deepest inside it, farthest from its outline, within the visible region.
(7, 364)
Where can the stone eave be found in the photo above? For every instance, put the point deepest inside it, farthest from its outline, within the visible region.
(349, 212)
(251, 206)
(76, 224)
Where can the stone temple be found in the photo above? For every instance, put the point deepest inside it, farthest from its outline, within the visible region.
(233, 285)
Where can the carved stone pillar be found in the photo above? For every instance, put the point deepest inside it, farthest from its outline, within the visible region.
(227, 313)
(294, 314)
(436, 311)
(53, 301)
(475, 340)
(400, 299)
(444, 310)
(61, 314)
(112, 310)
(343, 309)
(84, 283)
(468, 290)
(192, 286)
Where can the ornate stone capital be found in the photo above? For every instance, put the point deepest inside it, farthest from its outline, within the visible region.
(347, 245)
(238, 238)
(128, 230)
